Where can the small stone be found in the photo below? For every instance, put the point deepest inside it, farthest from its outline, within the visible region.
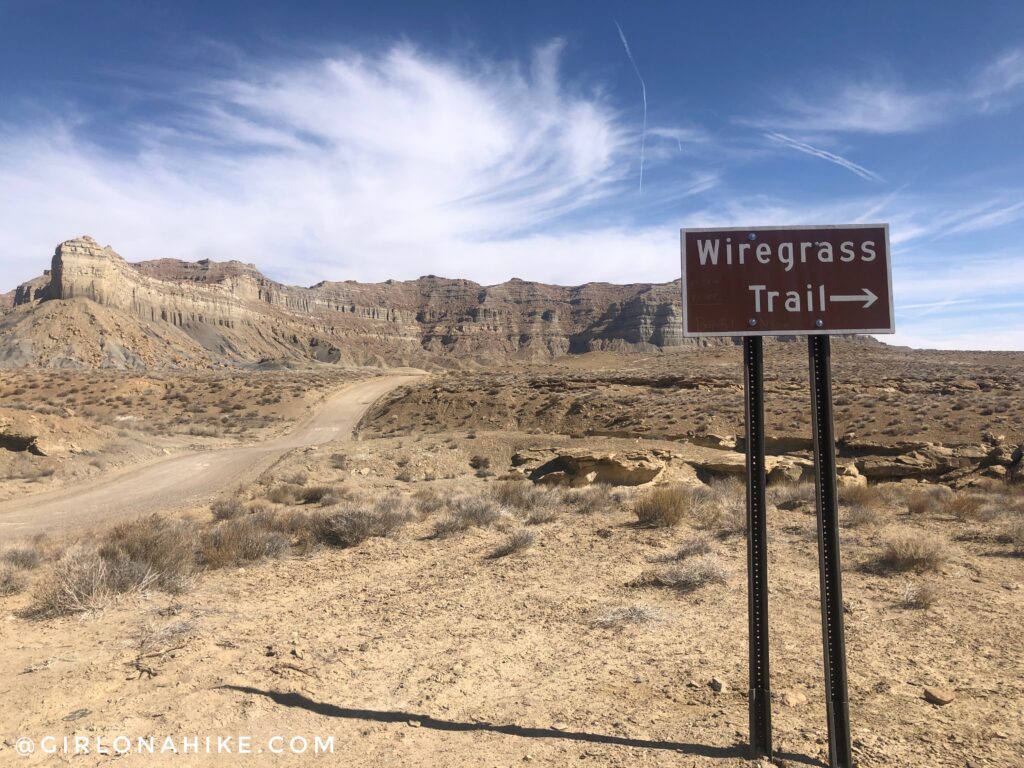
(793, 698)
(939, 696)
(298, 653)
(415, 724)
(560, 726)
(718, 686)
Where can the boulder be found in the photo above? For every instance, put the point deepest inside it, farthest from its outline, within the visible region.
(576, 468)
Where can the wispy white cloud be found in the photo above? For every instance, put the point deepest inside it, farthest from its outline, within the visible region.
(883, 106)
(350, 167)
(831, 157)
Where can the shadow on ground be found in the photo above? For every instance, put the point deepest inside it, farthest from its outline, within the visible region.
(298, 701)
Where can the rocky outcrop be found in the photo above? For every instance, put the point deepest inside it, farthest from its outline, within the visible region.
(238, 315)
(576, 468)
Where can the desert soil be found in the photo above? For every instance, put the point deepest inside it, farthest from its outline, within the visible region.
(416, 651)
(177, 482)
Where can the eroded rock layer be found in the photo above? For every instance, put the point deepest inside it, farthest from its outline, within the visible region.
(197, 314)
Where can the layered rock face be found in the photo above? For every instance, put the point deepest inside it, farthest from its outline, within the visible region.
(238, 315)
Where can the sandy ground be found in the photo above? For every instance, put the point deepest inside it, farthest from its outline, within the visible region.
(180, 481)
(411, 651)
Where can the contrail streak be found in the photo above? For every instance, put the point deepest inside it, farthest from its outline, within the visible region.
(807, 149)
(643, 92)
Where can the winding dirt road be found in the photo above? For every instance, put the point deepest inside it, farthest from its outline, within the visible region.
(186, 479)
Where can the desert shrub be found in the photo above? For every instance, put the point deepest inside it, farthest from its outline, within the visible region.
(928, 500)
(859, 516)
(516, 541)
(428, 501)
(634, 614)
(22, 558)
(1015, 535)
(316, 494)
(468, 512)
(664, 506)
(721, 507)
(542, 514)
(866, 496)
(590, 500)
(241, 540)
(480, 462)
(11, 581)
(226, 509)
(355, 524)
(77, 582)
(920, 596)
(964, 506)
(695, 547)
(688, 577)
(520, 494)
(151, 550)
(287, 493)
(915, 551)
(783, 493)
(339, 461)
(297, 478)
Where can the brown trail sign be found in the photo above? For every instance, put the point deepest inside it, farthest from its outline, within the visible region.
(812, 281)
(767, 281)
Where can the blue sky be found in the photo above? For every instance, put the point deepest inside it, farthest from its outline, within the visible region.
(389, 140)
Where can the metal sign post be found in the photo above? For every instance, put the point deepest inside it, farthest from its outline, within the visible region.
(775, 281)
(760, 699)
(833, 635)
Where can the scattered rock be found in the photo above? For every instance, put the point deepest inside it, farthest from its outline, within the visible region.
(718, 686)
(794, 698)
(939, 696)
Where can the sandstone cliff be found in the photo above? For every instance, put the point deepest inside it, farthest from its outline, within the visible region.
(195, 314)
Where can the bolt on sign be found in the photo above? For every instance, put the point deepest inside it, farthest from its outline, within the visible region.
(762, 281)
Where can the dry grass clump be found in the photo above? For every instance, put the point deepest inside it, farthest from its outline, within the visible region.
(665, 506)
(928, 500)
(286, 493)
(964, 506)
(355, 523)
(913, 551)
(792, 493)
(1014, 535)
(688, 577)
(227, 509)
(11, 581)
(152, 550)
(542, 514)
(722, 508)
(22, 558)
(516, 541)
(428, 501)
(468, 512)
(695, 547)
(866, 496)
(633, 614)
(241, 540)
(858, 516)
(593, 499)
(520, 494)
(78, 582)
(324, 495)
(920, 596)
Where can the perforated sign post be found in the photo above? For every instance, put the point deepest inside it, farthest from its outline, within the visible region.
(791, 281)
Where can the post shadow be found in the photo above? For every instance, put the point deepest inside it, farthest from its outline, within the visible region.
(298, 701)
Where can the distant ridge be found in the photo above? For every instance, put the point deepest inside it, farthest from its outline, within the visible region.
(94, 309)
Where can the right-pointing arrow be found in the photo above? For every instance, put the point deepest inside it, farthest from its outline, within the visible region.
(867, 296)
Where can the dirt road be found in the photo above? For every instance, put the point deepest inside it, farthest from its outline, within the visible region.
(186, 479)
